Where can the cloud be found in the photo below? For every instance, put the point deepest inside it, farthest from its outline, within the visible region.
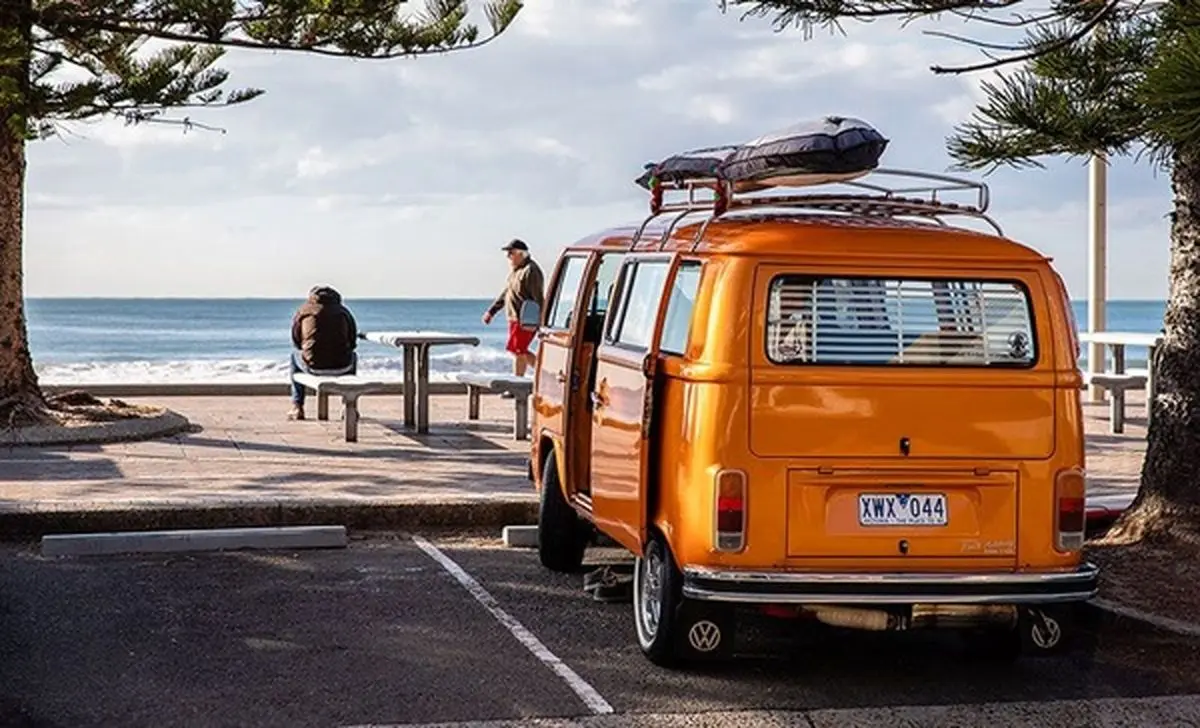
(401, 176)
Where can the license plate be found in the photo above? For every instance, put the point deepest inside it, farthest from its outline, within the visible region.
(902, 509)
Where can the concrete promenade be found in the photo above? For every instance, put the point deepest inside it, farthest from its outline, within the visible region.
(246, 464)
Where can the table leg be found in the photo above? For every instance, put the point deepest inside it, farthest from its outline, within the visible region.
(472, 402)
(1116, 397)
(422, 389)
(410, 388)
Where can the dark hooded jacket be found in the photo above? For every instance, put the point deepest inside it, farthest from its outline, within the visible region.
(324, 330)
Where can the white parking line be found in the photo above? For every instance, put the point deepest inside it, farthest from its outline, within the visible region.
(585, 691)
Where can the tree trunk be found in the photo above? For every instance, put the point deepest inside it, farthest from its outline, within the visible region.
(21, 400)
(1168, 502)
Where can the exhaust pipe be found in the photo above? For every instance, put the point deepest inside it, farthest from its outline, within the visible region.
(962, 615)
(876, 620)
(923, 616)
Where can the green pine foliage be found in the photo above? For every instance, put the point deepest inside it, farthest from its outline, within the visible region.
(136, 59)
(1076, 77)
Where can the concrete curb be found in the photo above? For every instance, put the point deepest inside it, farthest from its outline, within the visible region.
(520, 537)
(34, 524)
(165, 424)
(1175, 626)
(207, 539)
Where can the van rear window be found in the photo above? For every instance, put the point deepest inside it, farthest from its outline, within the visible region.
(879, 321)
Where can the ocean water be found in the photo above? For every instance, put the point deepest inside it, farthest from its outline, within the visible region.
(90, 341)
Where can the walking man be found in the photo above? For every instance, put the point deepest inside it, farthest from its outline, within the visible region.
(525, 283)
(325, 336)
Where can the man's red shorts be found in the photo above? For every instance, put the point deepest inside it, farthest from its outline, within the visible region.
(518, 338)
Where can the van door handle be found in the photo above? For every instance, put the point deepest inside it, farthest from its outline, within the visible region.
(560, 377)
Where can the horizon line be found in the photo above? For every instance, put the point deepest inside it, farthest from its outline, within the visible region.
(253, 298)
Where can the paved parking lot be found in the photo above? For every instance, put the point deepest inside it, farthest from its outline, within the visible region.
(392, 631)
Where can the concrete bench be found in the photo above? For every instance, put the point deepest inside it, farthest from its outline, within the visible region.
(520, 387)
(349, 386)
(1117, 385)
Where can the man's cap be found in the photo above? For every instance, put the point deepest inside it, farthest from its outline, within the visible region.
(516, 244)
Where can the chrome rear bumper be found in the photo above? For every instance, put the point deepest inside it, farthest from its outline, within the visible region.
(796, 587)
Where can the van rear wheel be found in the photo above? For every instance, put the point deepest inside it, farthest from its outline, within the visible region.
(562, 534)
(671, 629)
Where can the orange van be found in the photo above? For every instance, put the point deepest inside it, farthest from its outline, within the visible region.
(849, 406)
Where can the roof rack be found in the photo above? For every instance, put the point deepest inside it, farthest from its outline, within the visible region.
(921, 198)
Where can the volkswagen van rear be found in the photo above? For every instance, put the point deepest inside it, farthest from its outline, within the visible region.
(906, 406)
(914, 454)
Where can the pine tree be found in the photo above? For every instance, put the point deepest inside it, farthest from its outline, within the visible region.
(1081, 77)
(70, 60)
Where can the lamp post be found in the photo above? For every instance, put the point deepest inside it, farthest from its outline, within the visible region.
(1097, 263)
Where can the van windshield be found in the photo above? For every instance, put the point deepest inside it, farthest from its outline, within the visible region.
(899, 321)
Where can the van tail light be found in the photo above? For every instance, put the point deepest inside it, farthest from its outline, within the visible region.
(731, 510)
(1070, 514)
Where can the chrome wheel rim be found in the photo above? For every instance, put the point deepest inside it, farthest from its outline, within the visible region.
(650, 592)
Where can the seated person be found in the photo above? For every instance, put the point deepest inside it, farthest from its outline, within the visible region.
(324, 335)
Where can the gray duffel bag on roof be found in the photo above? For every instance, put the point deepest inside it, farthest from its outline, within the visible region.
(832, 149)
(689, 166)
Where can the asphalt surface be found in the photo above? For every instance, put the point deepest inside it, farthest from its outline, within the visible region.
(381, 633)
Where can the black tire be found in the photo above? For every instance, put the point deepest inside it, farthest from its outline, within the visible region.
(672, 630)
(562, 534)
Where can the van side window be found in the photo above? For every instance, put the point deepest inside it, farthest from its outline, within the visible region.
(847, 321)
(677, 326)
(606, 277)
(641, 288)
(565, 293)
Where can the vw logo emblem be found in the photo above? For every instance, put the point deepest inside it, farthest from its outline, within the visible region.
(1046, 638)
(704, 636)
(1018, 345)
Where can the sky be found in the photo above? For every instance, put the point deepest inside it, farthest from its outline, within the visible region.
(403, 178)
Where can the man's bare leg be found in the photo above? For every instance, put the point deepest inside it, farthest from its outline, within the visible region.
(519, 364)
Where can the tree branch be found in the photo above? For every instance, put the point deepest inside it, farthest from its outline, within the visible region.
(163, 34)
(971, 41)
(1019, 21)
(138, 117)
(64, 58)
(806, 12)
(1042, 50)
(159, 27)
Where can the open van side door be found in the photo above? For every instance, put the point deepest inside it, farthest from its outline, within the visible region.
(622, 398)
(556, 356)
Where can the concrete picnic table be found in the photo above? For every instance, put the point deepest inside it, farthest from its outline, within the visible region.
(416, 346)
(1117, 341)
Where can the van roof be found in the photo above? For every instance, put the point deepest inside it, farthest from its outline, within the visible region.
(806, 235)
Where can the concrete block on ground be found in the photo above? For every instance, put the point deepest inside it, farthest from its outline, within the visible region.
(211, 539)
(520, 537)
